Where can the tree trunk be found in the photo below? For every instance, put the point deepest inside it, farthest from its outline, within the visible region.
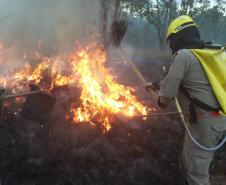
(117, 10)
(104, 21)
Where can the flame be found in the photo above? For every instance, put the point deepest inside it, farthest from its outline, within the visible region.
(102, 97)
(35, 75)
(18, 78)
(61, 80)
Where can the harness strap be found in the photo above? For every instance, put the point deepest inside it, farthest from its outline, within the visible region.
(198, 102)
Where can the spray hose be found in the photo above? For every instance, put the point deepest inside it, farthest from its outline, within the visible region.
(189, 133)
(179, 110)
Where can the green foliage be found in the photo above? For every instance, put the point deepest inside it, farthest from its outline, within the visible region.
(160, 12)
(151, 18)
(211, 21)
(157, 13)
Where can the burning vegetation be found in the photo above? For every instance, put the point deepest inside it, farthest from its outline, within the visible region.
(102, 97)
(85, 126)
(98, 148)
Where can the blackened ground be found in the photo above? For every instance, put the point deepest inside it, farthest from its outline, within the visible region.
(138, 152)
(134, 153)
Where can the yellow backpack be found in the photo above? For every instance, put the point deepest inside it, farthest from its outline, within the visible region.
(214, 64)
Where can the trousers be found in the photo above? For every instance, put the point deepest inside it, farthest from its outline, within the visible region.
(196, 162)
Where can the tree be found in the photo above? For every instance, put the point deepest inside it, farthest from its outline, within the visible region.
(160, 12)
(157, 14)
(105, 5)
(210, 18)
(215, 14)
(110, 9)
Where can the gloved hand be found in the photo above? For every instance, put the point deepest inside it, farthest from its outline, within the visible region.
(160, 103)
(152, 86)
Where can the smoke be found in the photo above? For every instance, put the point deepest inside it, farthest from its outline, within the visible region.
(55, 25)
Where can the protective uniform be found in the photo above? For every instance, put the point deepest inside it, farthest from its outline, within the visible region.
(186, 70)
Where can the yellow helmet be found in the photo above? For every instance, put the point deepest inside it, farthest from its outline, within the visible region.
(179, 24)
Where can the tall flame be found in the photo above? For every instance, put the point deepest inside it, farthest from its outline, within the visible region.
(102, 97)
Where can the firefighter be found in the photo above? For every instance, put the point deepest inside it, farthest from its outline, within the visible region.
(186, 73)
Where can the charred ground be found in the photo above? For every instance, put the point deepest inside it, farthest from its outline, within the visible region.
(134, 153)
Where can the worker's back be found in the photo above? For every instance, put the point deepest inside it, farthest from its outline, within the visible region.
(187, 71)
(195, 80)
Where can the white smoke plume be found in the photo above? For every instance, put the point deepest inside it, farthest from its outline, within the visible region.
(55, 25)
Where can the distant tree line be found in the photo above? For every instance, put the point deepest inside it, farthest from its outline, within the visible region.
(148, 19)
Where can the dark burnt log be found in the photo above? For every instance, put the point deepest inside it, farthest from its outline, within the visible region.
(38, 107)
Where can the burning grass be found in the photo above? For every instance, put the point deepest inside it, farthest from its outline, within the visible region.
(102, 97)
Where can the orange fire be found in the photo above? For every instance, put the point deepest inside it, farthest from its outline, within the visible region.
(102, 97)
(17, 78)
